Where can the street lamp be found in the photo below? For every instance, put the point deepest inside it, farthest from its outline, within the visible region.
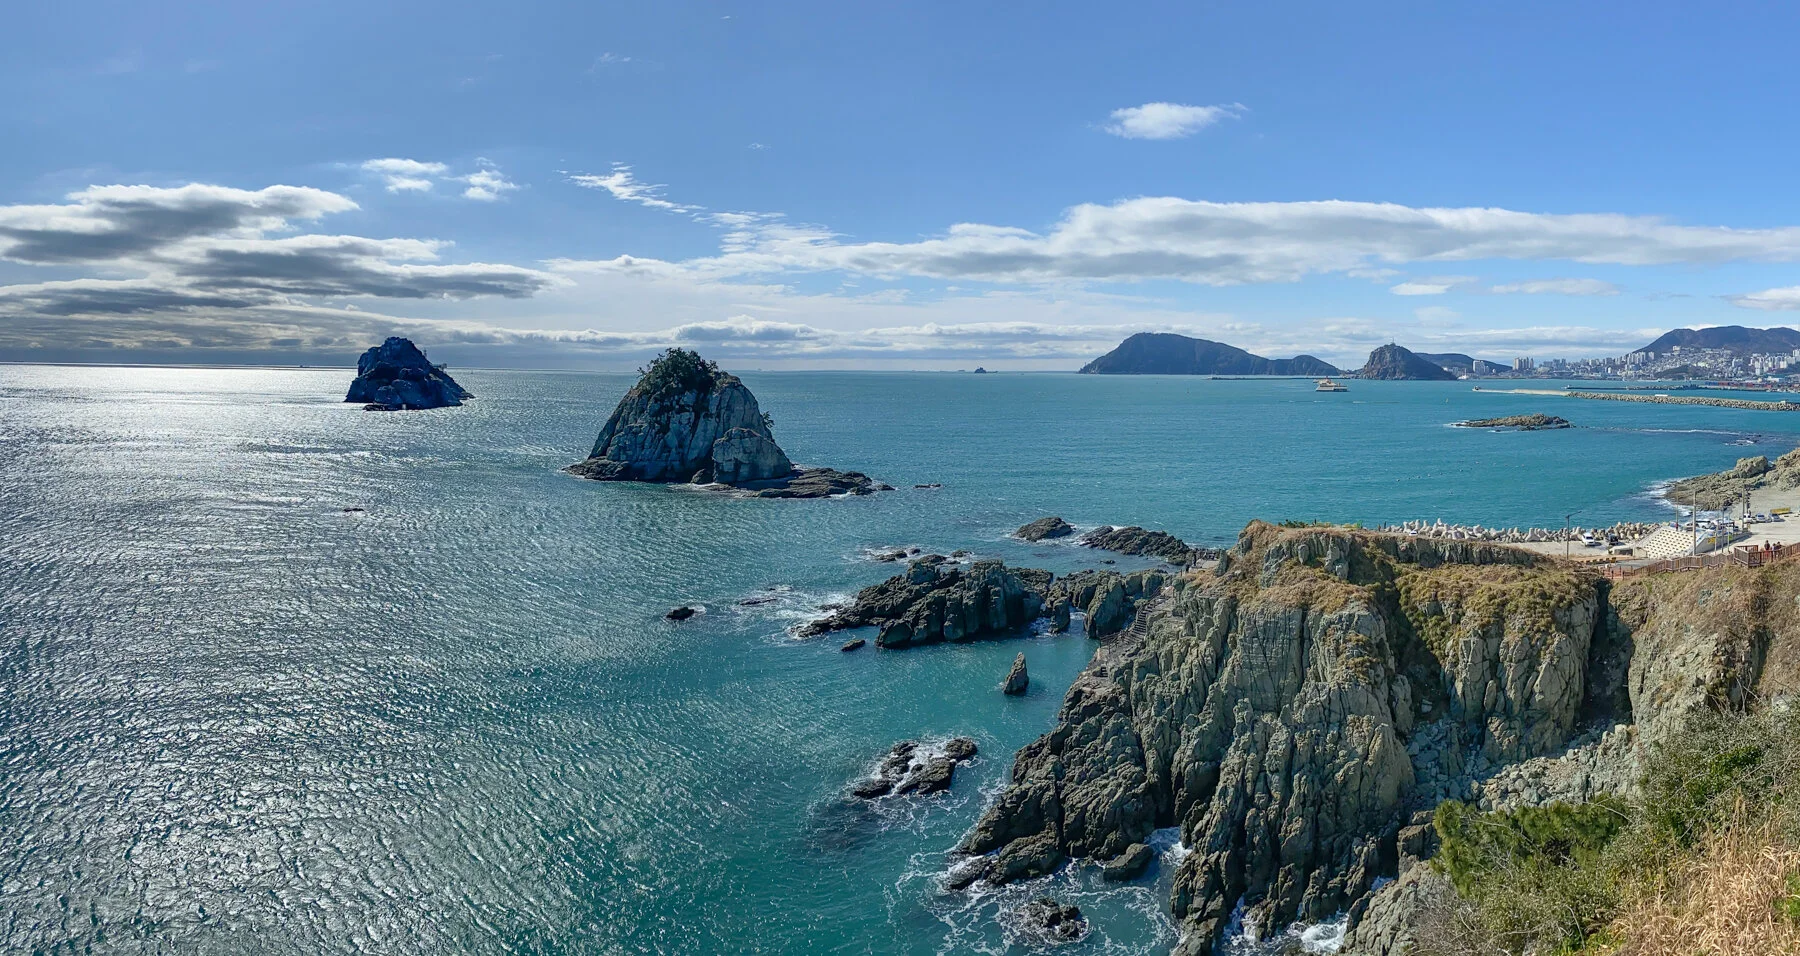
(1566, 519)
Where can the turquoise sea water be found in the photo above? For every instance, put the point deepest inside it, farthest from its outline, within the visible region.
(235, 717)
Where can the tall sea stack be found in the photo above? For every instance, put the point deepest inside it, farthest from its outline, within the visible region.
(396, 376)
(687, 421)
(1396, 364)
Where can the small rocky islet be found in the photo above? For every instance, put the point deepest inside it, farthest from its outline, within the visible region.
(1536, 421)
(912, 768)
(688, 422)
(396, 376)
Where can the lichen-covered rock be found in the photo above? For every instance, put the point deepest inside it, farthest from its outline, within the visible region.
(1042, 528)
(1266, 712)
(395, 376)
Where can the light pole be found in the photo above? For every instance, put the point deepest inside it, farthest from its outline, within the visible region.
(1566, 519)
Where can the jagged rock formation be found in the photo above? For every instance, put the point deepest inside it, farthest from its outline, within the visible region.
(687, 421)
(1393, 363)
(1042, 528)
(937, 600)
(1536, 421)
(910, 768)
(1107, 600)
(1018, 680)
(395, 376)
(1266, 711)
(1165, 353)
(1051, 922)
(1137, 541)
(1723, 489)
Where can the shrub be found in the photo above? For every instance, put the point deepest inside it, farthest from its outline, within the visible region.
(675, 371)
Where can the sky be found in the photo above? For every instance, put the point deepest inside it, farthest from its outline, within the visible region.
(920, 185)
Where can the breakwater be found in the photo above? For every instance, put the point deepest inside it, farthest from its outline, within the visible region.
(1782, 406)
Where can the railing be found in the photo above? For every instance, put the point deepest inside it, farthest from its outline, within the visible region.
(1749, 557)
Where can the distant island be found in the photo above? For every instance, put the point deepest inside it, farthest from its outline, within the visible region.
(1165, 353)
(1393, 363)
(395, 376)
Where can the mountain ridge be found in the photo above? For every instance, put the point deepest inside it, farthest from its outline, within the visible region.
(1166, 353)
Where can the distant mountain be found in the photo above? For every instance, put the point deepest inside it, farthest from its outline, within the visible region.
(1453, 361)
(1736, 338)
(1164, 353)
(1393, 363)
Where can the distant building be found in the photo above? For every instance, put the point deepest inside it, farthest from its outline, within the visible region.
(1523, 365)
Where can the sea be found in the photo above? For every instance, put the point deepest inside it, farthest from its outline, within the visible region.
(279, 675)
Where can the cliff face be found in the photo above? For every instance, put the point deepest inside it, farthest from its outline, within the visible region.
(1165, 353)
(396, 376)
(704, 429)
(1393, 363)
(1269, 709)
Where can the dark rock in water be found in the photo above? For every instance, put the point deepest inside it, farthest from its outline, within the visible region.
(1016, 679)
(354, 510)
(852, 645)
(758, 601)
(1536, 421)
(910, 769)
(396, 376)
(1042, 528)
(1051, 922)
(927, 487)
(681, 613)
(936, 600)
(891, 556)
(1129, 865)
(1134, 540)
(687, 421)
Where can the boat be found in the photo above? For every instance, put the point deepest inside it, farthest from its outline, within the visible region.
(1327, 385)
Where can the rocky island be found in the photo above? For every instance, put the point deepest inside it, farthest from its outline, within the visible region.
(396, 376)
(686, 421)
(1165, 353)
(1395, 364)
(1537, 421)
(1331, 707)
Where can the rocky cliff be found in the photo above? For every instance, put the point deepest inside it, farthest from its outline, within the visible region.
(1726, 488)
(687, 421)
(396, 376)
(1283, 710)
(1393, 363)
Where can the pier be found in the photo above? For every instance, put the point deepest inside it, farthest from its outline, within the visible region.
(1781, 406)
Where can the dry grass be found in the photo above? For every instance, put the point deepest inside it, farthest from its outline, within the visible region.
(1735, 898)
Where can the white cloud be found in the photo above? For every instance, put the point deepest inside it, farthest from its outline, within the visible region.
(405, 175)
(1430, 285)
(487, 183)
(1168, 120)
(625, 186)
(1558, 287)
(1786, 298)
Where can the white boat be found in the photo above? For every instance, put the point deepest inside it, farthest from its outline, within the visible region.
(1327, 385)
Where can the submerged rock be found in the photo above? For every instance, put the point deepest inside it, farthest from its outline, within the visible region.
(396, 376)
(681, 613)
(1017, 680)
(1052, 922)
(853, 645)
(1042, 528)
(687, 421)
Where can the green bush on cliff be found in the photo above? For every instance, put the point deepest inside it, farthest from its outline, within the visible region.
(675, 371)
(1475, 844)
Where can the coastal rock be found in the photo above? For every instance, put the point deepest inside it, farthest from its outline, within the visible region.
(1130, 865)
(1137, 541)
(1051, 922)
(1718, 491)
(1042, 528)
(853, 645)
(1537, 421)
(937, 601)
(687, 421)
(909, 768)
(1393, 363)
(1265, 712)
(396, 376)
(1108, 600)
(1017, 681)
(681, 613)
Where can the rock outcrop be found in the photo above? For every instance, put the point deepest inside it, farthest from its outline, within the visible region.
(1723, 489)
(1017, 679)
(1134, 540)
(937, 600)
(1049, 921)
(1536, 421)
(1042, 528)
(396, 376)
(1393, 363)
(912, 768)
(1266, 710)
(687, 421)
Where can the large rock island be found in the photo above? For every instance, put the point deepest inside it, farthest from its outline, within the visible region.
(1165, 353)
(396, 376)
(687, 421)
(1395, 364)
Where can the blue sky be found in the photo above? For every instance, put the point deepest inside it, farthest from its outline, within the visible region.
(901, 185)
